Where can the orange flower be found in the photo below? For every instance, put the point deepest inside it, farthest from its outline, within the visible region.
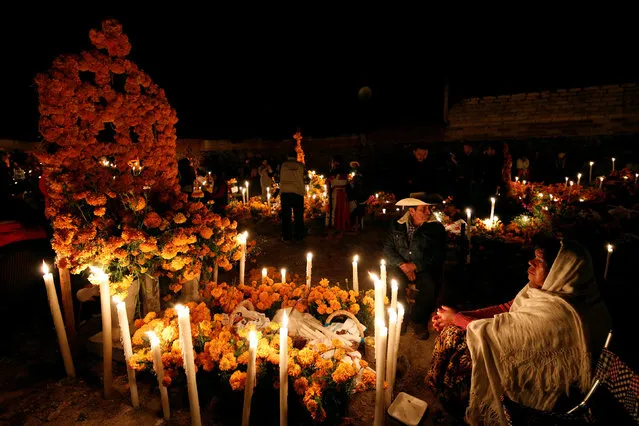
(238, 380)
(100, 211)
(301, 385)
(179, 218)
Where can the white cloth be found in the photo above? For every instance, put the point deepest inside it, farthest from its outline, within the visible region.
(535, 352)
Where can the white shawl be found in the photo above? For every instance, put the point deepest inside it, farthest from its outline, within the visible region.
(535, 352)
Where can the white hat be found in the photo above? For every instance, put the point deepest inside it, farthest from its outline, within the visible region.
(410, 202)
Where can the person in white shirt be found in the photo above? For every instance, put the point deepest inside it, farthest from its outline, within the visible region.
(292, 198)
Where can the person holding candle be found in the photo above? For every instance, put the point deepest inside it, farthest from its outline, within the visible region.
(292, 198)
(414, 251)
(553, 329)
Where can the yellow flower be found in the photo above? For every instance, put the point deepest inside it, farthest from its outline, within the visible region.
(179, 218)
(324, 282)
(343, 372)
(228, 362)
(306, 357)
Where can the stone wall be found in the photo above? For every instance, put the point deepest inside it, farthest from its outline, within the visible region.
(591, 111)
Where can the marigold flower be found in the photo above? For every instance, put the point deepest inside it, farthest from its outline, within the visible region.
(179, 218)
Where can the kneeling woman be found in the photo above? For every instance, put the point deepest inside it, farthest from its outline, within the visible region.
(533, 349)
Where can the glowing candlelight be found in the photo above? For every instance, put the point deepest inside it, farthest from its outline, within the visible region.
(243, 195)
(390, 349)
(592, 163)
(107, 342)
(636, 177)
(283, 273)
(355, 273)
(394, 291)
(284, 371)
(492, 208)
(61, 332)
(382, 275)
(125, 334)
(578, 178)
(186, 341)
(613, 163)
(250, 378)
(159, 372)
(469, 213)
(241, 238)
(516, 178)
(309, 269)
(566, 185)
(377, 196)
(524, 182)
(383, 211)
(264, 273)
(601, 179)
(610, 250)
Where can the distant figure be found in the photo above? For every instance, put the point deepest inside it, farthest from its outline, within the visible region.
(561, 168)
(265, 172)
(220, 194)
(338, 208)
(420, 172)
(292, 198)
(356, 195)
(523, 167)
(187, 175)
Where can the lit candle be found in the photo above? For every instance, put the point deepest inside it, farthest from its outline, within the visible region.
(264, 273)
(284, 371)
(244, 195)
(380, 406)
(268, 200)
(215, 273)
(309, 269)
(186, 341)
(107, 342)
(394, 290)
(566, 185)
(57, 320)
(250, 378)
(241, 238)
(613, 163)
(125, 334)
(601, 179)
(383, 211)
(592, 163)
(382, 275)
(377, 196)
(390, 348)
(355, 273)
(492, 209)
(246, 183)
(516, 178)
(636, 177)
(524, 182)
(468, 216)
(610, 250)
(379, 309)
(578, 178)
(159, 371)
(283, 272)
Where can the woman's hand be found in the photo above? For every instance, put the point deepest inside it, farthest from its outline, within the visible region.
(444, 317)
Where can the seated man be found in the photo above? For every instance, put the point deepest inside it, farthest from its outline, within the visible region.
(414, 251)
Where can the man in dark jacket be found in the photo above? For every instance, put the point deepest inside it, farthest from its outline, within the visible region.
(415, 251)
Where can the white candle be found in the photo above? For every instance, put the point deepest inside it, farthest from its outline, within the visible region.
(601, 179)
(355, 274)
(398, 335)
(578, 178)
(107, 343)
(376, 196)
(215, 273)
(383, 211)
(244, 195)
(241, 238)
(268, 199)
(390, 349)
(186, 340)
(566, 185)
(309, 269)
(284, 371)
(264, 273)
(125, 334)
(283, 272)
(382, 276)
(159, 372)
(613, 163)
(592, 163)
(380, 406)
(54, 305)
(636, 177)
(246, 183)
(610, 250)
(468, 217)
(250, 378)
(492, 209)
(516, 178)
(379, 310)
(394, 290)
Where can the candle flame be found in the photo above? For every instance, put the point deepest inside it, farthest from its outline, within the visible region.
(373, 276)
(153, 338)
(394, 285)
(572, 183)
(524, 182)
(252, 337)
(492, 200)
(468, 212)
(601, 178)
(264, 272)
(579, 175)
(541, 195)
(517, 179)
(283, 272)
(566, 178)
(382, 262)
(45, 268)
(246, 183)
(592, 163)
(392, 315)
(610, 248)
(309, 256)
(613, 159)
(356, 258)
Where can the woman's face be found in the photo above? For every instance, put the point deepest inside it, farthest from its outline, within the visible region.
(538, 270)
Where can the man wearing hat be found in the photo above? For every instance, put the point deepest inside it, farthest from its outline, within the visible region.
(415, 251)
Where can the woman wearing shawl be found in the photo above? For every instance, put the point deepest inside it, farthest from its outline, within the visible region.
(533, 349)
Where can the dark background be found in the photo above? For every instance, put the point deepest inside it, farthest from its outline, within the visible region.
(265, 73)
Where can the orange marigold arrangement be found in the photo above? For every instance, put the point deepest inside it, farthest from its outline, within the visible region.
(111, 174)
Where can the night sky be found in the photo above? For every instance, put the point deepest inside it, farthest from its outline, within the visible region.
(229, 76)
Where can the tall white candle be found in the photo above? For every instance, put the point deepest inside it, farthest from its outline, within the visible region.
(215, 273)
(379, 310)
(284, 371)
(610, 250)
(578, 178)
(268, 200)
(125, 335)
(469, 213)
(394, 290)
(613, 163)
(283, 272)
(107, 343)
(186, 340)
(398, 335)
(601, 179)
(492, 209)
(516, 178)
(355, 273)
(380, 406)
(250, 378)
(390, 349)
(382, 276)
(264, 274)
(159, 372)
(248, 194)
(309, 269)
(241, 238)
(592, 163)
(566, 185)
(54, 305)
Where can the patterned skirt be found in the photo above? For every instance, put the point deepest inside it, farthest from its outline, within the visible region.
(450, 369)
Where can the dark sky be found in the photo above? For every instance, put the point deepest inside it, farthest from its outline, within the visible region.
(230, 76)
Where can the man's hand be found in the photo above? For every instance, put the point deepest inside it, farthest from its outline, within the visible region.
(409, 269)
(444, 317)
